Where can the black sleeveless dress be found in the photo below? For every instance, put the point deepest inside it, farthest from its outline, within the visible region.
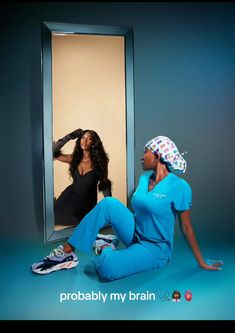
(77, 199)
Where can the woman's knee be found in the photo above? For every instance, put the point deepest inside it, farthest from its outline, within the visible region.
(109, 201)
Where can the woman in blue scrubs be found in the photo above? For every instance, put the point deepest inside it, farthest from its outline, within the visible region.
(147, 233)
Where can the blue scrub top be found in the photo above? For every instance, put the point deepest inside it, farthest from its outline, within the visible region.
(155, 211)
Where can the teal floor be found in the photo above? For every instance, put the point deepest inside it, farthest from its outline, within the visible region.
(25, 295)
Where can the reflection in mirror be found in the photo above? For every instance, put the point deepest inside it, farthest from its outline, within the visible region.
(88, 168)
(90, 88)
(88, 85)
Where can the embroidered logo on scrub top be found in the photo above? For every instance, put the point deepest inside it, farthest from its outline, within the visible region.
(160, 196)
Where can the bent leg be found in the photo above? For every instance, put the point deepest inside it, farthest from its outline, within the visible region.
(112, 265)
(108, 211)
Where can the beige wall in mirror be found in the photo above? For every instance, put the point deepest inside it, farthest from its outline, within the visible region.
(88, 91)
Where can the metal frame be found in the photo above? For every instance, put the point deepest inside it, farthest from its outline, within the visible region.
(48, 28)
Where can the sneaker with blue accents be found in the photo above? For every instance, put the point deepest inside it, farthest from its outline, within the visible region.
(56, 260)
(103, 241)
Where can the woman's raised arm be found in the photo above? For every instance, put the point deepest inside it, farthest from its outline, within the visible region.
(66, 158)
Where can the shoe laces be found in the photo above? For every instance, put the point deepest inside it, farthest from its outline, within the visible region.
(58, 252)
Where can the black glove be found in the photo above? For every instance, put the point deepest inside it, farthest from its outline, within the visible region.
(56, 146)
(75, 134)
(105, 186)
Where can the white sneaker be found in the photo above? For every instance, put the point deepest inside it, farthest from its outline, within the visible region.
(56, 260)
(105, 241)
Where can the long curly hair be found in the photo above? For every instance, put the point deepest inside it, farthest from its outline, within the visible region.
(99, 159)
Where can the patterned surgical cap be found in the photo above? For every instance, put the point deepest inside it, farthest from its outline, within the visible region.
(169, 153)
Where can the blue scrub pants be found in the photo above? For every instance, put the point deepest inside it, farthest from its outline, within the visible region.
(112, 265)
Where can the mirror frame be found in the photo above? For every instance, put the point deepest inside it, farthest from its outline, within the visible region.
(48, 28)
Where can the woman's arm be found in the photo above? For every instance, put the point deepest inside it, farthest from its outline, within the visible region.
(66, 158)
(56, 146)
(105, 186)
(187, 230)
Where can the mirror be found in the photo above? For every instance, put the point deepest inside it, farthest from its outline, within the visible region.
(87, 74)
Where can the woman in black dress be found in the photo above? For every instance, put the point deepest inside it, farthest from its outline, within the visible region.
(88, 167)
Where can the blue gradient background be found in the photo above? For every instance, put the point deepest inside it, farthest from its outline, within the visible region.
(184, 82)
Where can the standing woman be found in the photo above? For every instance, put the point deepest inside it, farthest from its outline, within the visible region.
(88, 168)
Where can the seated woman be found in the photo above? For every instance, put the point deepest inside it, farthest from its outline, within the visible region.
(148, 232)
(88, 167)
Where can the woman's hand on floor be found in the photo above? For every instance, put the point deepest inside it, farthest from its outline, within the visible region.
(212, 265)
